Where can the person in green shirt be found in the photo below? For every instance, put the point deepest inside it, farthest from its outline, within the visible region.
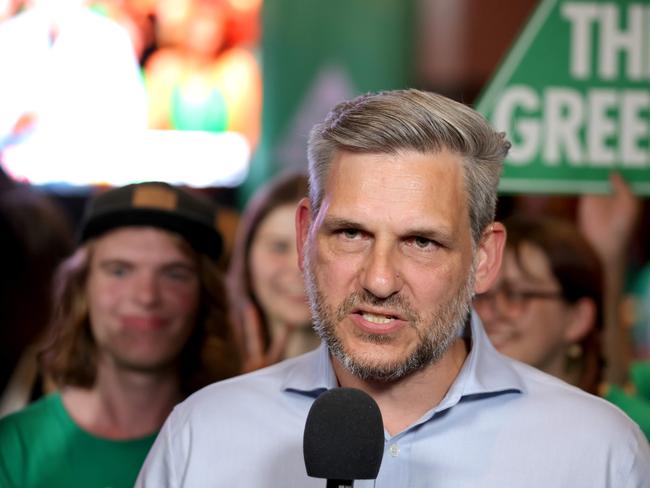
(141, 322)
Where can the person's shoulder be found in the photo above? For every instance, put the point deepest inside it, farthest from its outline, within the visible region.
(237, 394)
(538, 382)
(30, 423)
(561, 423)
(539, 385)
(569, 405)
(33, 412)
(263, 381)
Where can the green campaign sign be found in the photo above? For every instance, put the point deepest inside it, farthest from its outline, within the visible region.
(573, 96)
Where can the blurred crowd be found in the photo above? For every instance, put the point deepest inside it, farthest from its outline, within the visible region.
(568, 301)
(198, 58)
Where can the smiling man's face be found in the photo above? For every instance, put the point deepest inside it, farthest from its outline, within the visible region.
(389, 260)
(143, 296)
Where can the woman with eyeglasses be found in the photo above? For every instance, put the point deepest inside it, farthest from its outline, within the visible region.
(546, 307)
(555, 302)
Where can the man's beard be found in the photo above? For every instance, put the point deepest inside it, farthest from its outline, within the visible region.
(435, 334)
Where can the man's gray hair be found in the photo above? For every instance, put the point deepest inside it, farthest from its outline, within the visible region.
(392, 121)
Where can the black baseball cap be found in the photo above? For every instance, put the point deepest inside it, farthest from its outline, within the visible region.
(155, 204)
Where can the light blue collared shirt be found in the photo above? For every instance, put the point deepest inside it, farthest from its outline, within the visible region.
(501, 424)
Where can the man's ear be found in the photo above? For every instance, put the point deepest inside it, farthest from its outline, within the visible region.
(303, 222)
(488, 256)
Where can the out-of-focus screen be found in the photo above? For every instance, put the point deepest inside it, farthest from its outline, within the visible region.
(117, 91)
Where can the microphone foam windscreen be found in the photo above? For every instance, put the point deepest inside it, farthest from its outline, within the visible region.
(344, 436)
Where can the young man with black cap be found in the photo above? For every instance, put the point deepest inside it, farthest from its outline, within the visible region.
(140, 302)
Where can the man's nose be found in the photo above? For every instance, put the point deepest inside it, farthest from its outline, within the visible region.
(146, 289)
(381, 274)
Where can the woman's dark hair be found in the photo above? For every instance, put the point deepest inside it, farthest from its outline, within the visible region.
(577, 268)
(287, 188)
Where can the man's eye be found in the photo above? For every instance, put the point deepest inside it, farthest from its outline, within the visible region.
(117, 270)
(350, 233)
(422, 243)
(180, 274)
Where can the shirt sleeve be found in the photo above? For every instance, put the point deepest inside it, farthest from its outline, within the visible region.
(158, 468)
(640, 470)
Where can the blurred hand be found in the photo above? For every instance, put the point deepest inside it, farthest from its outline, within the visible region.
(608, 221)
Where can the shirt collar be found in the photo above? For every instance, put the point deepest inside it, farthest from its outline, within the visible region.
(312, 376)
(485, 372)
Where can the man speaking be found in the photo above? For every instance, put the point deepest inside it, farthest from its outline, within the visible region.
(396, 237)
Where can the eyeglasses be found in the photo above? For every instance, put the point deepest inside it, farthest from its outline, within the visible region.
(511, 300)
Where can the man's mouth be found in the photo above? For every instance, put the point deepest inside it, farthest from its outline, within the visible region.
(376, 322)
(144, 322)
(377, 319)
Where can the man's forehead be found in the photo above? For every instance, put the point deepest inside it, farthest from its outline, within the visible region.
(133, 240)
(409, 178)
(408, 160)
(409, 189)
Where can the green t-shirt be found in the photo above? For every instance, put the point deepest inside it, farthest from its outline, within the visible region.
(41, 446)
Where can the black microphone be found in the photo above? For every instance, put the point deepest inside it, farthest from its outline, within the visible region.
(344, 438)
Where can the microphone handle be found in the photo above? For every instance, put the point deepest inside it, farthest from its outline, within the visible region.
(340, 483)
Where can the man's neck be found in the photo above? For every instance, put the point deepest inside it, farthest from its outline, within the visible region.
(123, 404)
(405, 401)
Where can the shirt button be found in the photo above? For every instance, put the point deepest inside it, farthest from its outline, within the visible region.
(394, 450)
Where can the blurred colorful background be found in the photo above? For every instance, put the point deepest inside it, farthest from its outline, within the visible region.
(233, 86)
